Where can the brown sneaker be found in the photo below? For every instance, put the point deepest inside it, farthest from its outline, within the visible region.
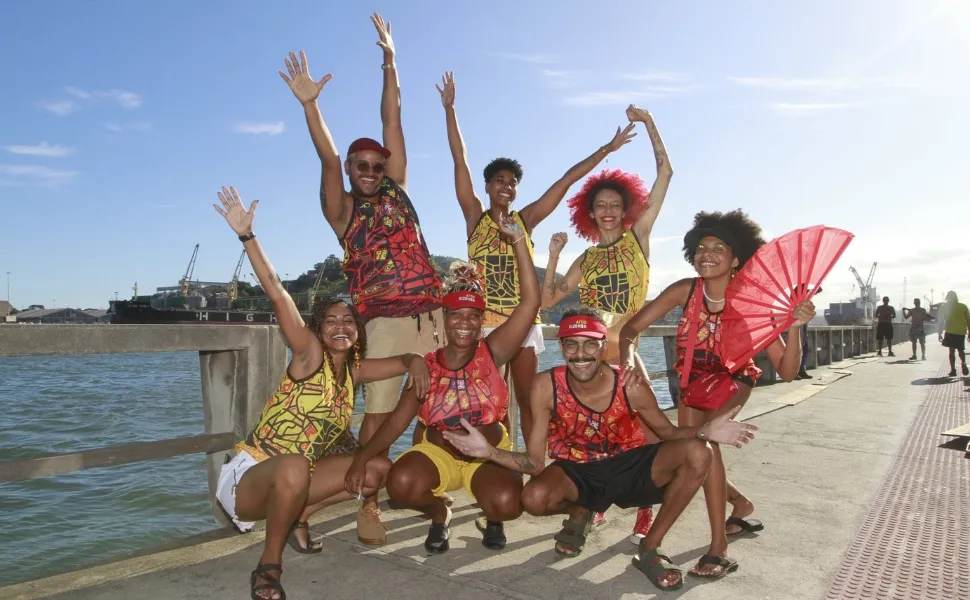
(370, 529)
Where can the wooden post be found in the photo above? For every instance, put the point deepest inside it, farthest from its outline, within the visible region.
(223, 376)
(670, 358)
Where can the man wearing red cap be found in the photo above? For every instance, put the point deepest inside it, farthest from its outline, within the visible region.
(599, 450)
(392, 281)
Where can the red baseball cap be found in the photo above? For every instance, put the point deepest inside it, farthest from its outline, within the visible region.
(368, 144)
(581, 326)
(457, 300)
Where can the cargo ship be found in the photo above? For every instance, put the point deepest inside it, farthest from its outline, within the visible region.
(131, 312)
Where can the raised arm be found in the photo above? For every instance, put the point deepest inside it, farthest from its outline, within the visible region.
(505, 341)
(644, 224)
(675, 295)
(532, 461)
(534, 213)
(335, 202)
(553, 292)
(397, 163)
(471, 205)
(378, 369)
(299, 338)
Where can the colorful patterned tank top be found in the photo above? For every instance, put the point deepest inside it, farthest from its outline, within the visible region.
(304, 416)
(614, 278)
(492, 253)
(476, 391)
(388, 267)
(706, 357)
(579, 434)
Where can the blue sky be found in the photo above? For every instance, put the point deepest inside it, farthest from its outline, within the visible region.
(122, 119)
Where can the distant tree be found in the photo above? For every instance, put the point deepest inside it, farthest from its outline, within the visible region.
(13, 310)
(333, 269)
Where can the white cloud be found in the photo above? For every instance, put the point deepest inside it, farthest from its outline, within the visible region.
(43, 149)
(77, 93)
(536, 59)
(609, 98)
(120, 97)
(37, 172)
(560, 78)
(61, 108)
(803, 108)
(136, 126)
(654, 76)
(267, 128)
(816, 84)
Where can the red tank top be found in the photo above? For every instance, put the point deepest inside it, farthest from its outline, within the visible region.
(476, 391)
(388, 267)
(579, 434)
(706, 357)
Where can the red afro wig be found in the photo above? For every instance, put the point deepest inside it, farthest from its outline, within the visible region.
(636, 198)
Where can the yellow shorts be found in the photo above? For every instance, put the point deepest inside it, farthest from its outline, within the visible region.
(390, 337)
(454, 473)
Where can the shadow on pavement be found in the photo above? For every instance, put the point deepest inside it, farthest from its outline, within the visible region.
(932, 381)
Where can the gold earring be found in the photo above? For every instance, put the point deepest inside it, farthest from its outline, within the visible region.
(356, 355)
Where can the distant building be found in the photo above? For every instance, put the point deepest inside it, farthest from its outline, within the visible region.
(5, 309)
(54, 316)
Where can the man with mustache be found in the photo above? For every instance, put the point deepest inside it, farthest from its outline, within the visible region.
(588, 420)
(392, 282)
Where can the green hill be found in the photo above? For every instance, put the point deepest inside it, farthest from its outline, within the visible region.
(334, 283)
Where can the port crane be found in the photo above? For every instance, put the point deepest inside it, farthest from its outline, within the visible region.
(189, 271)
(234, 284)
(866, 290)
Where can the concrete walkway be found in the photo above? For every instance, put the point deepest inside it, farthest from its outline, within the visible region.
(822, 453)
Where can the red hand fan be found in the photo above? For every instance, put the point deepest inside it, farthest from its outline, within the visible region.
(779, 276)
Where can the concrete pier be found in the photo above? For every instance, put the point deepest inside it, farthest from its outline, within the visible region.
(847, 472)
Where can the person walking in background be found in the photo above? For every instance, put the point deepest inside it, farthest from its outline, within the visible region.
(954, 328)
(917, 316)
(884, 326)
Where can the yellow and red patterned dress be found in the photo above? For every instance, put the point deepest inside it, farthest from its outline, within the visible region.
(309, 416)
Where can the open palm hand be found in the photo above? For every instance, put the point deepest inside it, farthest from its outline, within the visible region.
(301, 84)
(239, 219)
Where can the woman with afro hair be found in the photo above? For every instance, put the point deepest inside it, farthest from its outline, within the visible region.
(717, 246)
(615, 211)
(295, 459)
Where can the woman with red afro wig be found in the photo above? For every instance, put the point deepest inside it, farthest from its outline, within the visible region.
(615, 211)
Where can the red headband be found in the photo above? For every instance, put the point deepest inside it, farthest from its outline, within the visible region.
(581, 326)
(456, 300)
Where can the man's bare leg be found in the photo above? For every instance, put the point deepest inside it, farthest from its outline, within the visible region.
(680, 467)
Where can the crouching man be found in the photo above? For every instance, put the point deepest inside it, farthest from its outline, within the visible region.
(587, 418)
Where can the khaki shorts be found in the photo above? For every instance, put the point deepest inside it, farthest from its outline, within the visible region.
(391, 337)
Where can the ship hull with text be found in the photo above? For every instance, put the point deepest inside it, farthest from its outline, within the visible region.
(126, 312)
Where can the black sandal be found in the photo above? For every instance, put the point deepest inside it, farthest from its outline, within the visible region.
(493, 533)
(437, 540)
(272, 583)
(311, 546)
(574, 534)
(728, 565)
(652, 563)
(743, 525)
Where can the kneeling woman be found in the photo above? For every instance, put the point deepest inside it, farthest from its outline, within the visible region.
(466, 382)
(717, 246)
(294, 461)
